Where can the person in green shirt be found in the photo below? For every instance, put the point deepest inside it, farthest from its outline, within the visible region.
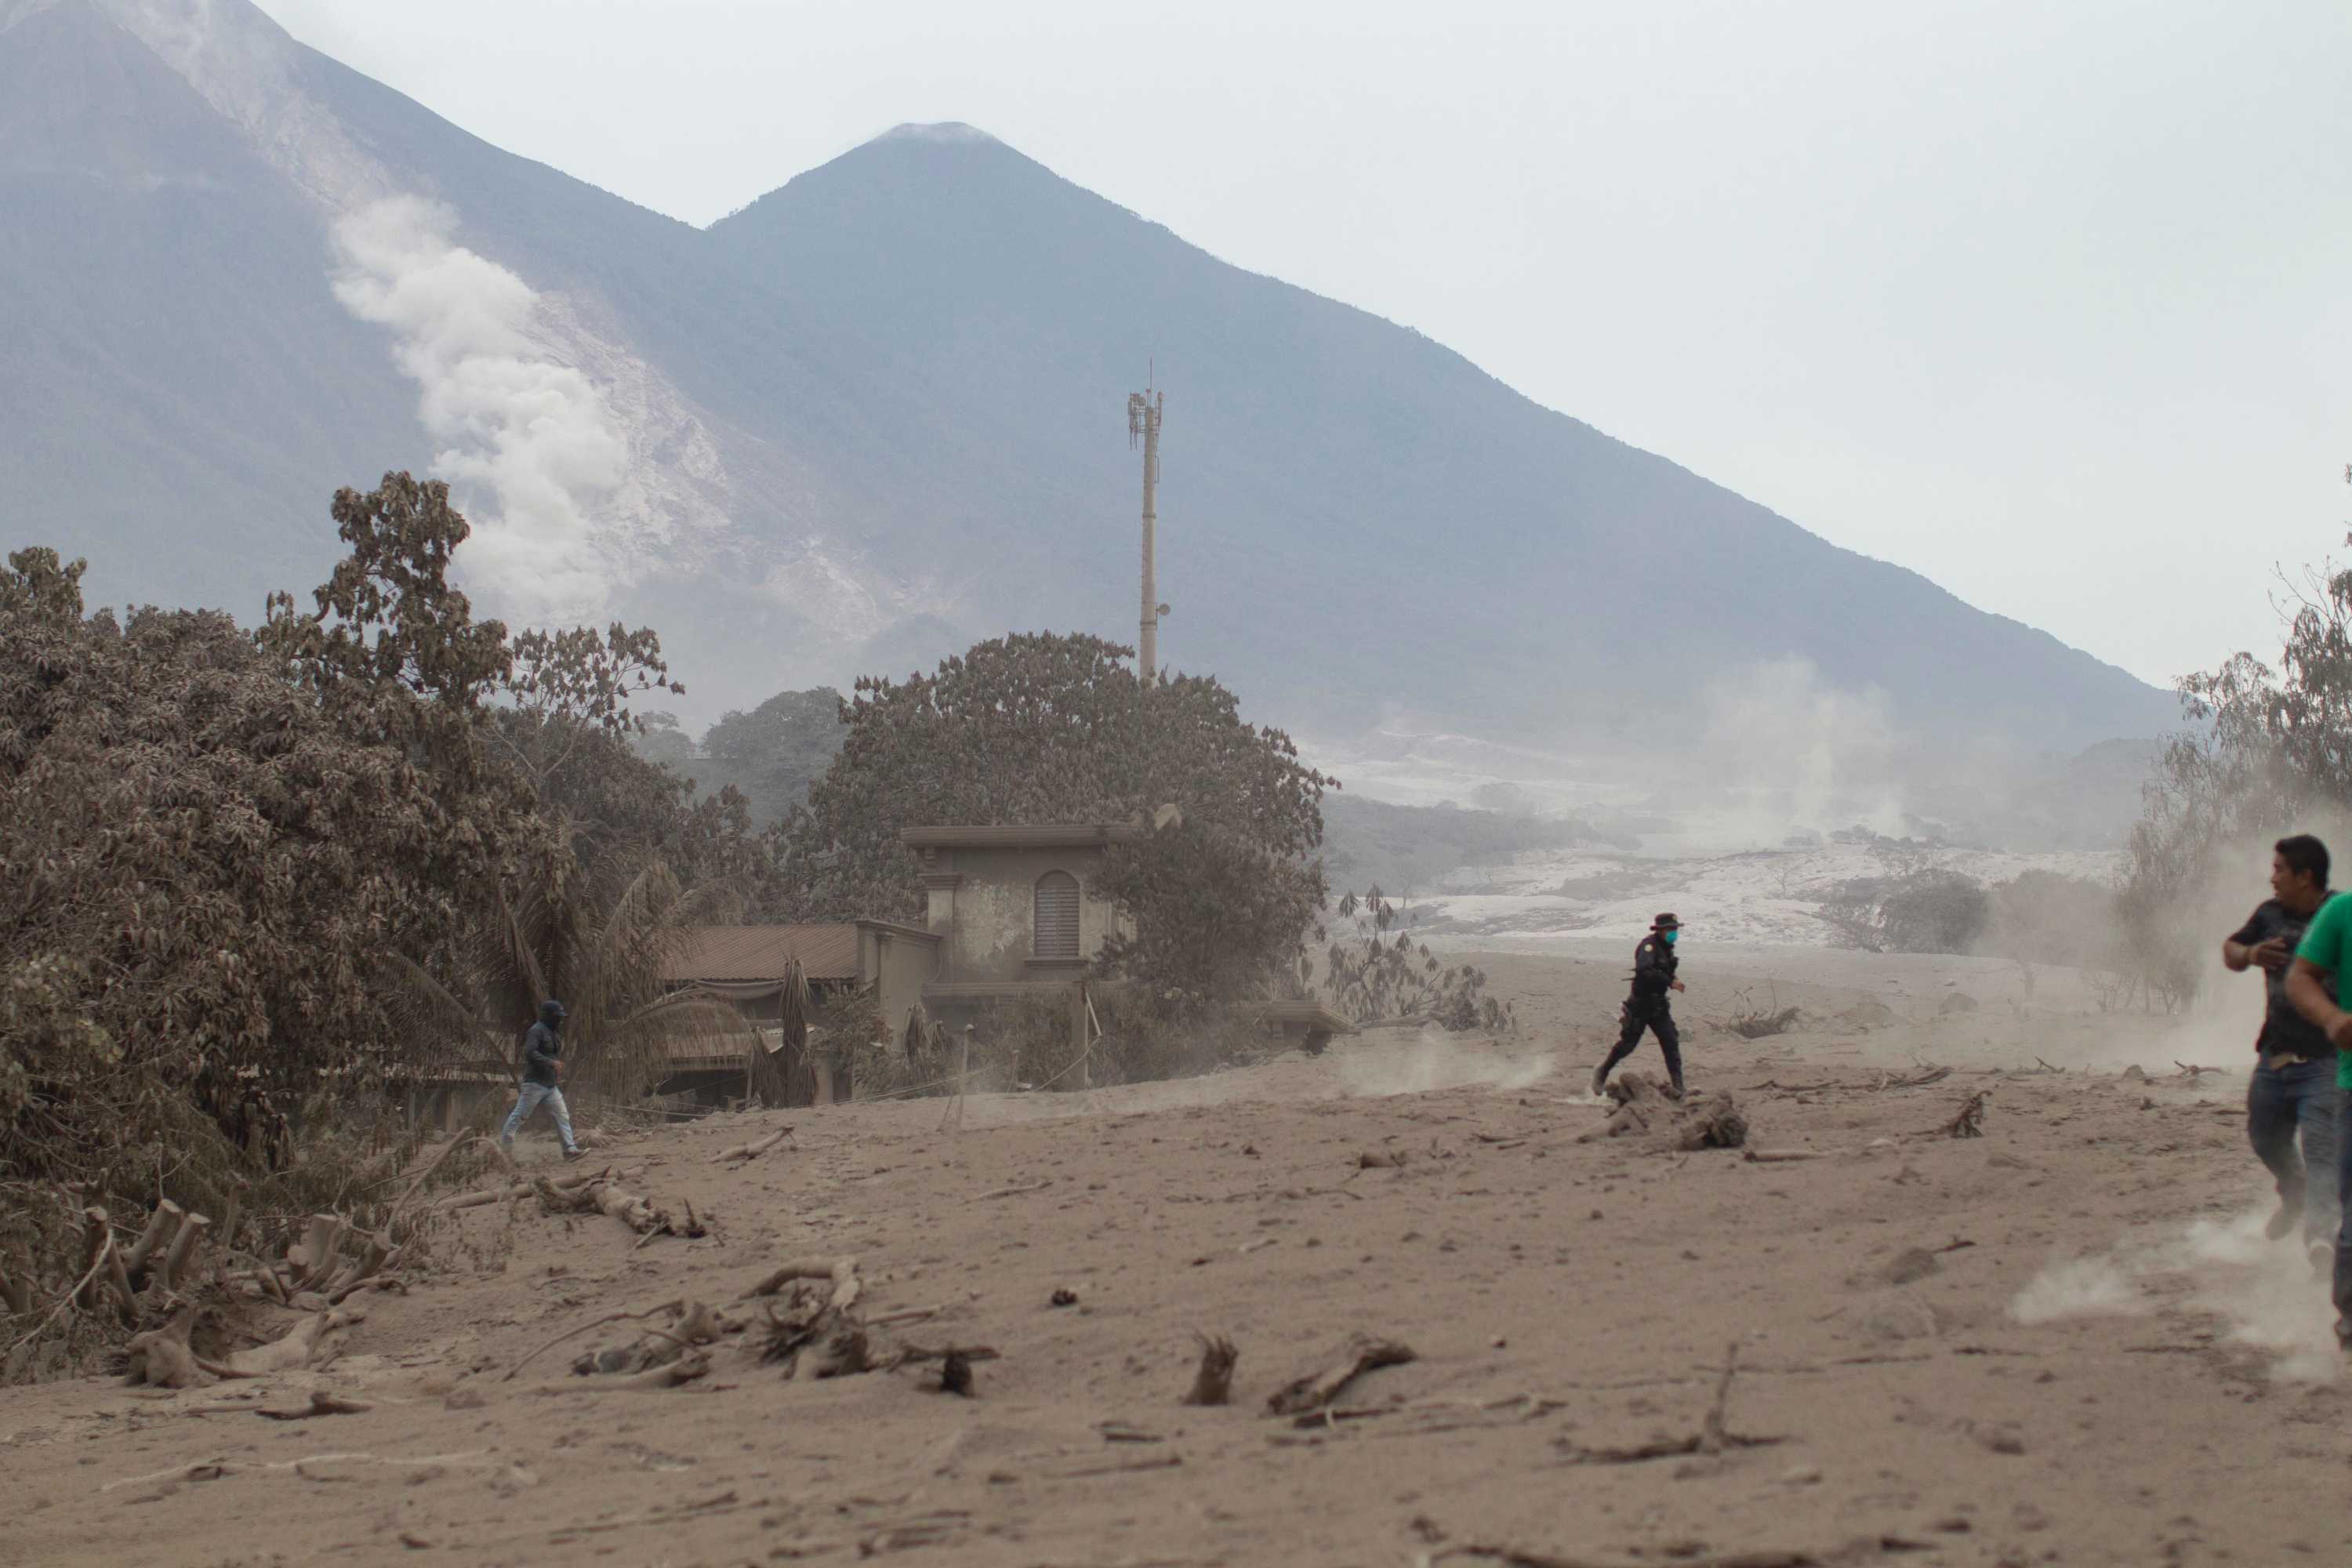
(2325, 956)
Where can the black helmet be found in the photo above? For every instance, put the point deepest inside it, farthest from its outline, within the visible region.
(551, 1011)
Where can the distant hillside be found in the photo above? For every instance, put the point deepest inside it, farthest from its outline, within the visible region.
(874, 416)
(1403, 849)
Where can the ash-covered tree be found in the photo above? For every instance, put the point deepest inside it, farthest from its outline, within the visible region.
(2269, 752)
(774, 753)
(210, 841)
(222, 851)
(1377, 970)
(1040, 728)
(1217, 917)
(628, 863)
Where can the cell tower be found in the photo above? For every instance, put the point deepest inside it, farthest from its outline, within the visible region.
(1144, 422)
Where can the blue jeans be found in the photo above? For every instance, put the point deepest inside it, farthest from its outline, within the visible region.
(529, 1101)
(2280, 1103)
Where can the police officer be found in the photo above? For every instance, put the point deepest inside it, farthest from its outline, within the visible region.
(1647, 1009)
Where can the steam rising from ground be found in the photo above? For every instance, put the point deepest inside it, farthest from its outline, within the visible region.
(2265, 1292)
(1801, 754)
(533, 435)
(1431, 1059)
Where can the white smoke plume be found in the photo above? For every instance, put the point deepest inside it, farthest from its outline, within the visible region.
(530, 436)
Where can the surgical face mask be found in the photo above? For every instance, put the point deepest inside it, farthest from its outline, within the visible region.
(1670, 936)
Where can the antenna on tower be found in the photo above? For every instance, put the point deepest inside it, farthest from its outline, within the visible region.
(1143, 424)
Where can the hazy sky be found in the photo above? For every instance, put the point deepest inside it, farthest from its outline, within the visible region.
(2050, 300)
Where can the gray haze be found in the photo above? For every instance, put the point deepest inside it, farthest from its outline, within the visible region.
(2046, 302)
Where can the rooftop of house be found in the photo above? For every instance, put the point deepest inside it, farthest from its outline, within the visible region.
(715, 955)
(1024, 836)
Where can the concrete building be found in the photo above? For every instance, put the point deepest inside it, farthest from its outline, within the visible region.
(1017, 913)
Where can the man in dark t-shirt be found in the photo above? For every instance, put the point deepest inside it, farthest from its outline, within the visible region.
(2293, 1088)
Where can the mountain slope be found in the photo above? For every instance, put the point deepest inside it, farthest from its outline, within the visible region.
(871, 417)
(1334, 484)
(177, 383)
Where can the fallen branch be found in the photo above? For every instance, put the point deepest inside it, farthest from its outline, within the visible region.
(105, 1248)
(602, 1195)
(669, 1306)
(483, 1198)
(669, 1374)
(465, 1141)
(1784, 1156)
(101, 1238)
(321, 1403)
(215, 1469)
(291, 1351)
(1712, 1436)
(1318, 1389)
(1159, 1462)
(750, 1151)
(842, 1271)
(1014, 1192)
(905, 1315)
(126, 1299)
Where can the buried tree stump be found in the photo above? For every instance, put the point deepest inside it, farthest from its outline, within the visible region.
(1213, 1382)
(163, 1358)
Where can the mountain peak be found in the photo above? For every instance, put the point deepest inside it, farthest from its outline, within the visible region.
(948, 131)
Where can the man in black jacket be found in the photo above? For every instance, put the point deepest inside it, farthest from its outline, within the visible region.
(2293, 1085)
(542, 1070)
(1647, 1007)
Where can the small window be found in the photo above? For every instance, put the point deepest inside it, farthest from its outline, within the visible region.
(1057, 915)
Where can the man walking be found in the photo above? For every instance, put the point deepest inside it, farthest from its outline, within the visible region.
(2293, 1086)
(543, 1070)
(1648, 1006)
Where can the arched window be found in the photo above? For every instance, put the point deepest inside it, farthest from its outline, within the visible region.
(1057, 915)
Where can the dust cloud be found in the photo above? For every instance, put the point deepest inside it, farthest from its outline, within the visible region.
(1372, 1067)
(2266, 1292)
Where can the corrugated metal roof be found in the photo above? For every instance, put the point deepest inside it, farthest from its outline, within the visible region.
(762, 952)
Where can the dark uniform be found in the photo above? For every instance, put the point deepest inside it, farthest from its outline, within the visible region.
(1647, 1006)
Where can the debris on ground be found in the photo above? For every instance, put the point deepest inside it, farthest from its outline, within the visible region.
(1212, 1383)
(1319, 1388)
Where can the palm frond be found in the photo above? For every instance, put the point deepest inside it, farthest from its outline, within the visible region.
(638, 1050)
(434, 1025)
